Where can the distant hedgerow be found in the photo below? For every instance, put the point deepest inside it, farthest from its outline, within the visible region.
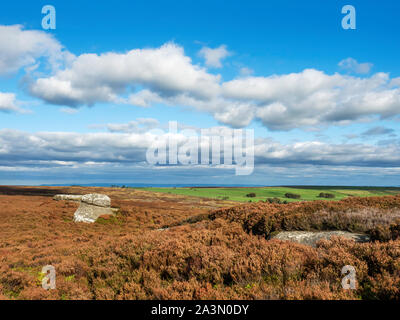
(292, 195)
(251, 195)
(326, 195)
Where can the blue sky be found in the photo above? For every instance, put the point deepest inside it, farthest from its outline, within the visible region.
(324, 102)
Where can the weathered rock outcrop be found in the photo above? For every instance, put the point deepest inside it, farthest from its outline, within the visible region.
(91, 206)
(311, 238)
(96, 199)
(70, 197)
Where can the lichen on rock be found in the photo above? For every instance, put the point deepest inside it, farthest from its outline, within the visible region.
(311, 238)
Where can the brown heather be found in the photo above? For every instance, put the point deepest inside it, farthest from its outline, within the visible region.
(207, 253)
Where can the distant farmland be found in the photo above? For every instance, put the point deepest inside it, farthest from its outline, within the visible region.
(307, 193)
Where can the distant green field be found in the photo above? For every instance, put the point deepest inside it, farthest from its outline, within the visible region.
(262, 193)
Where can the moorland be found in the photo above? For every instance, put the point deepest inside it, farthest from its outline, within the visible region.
(168, 245)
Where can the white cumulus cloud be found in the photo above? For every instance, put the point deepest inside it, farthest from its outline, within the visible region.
(214, 56)
(102, 78)
(352, 65)
(166, 75)
(22, 48)
(8, 102)
(312, 98)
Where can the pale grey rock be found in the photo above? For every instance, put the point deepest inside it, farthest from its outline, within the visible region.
(89, 213)
(70, 197)
(311, 238)
(91, 206)
(96, 199)
(162, 229)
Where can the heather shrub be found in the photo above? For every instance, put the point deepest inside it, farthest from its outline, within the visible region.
(386, 232)
(354, 215)
(206, 253)
(218, 260)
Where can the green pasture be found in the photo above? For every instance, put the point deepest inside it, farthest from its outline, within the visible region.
(262, 193)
